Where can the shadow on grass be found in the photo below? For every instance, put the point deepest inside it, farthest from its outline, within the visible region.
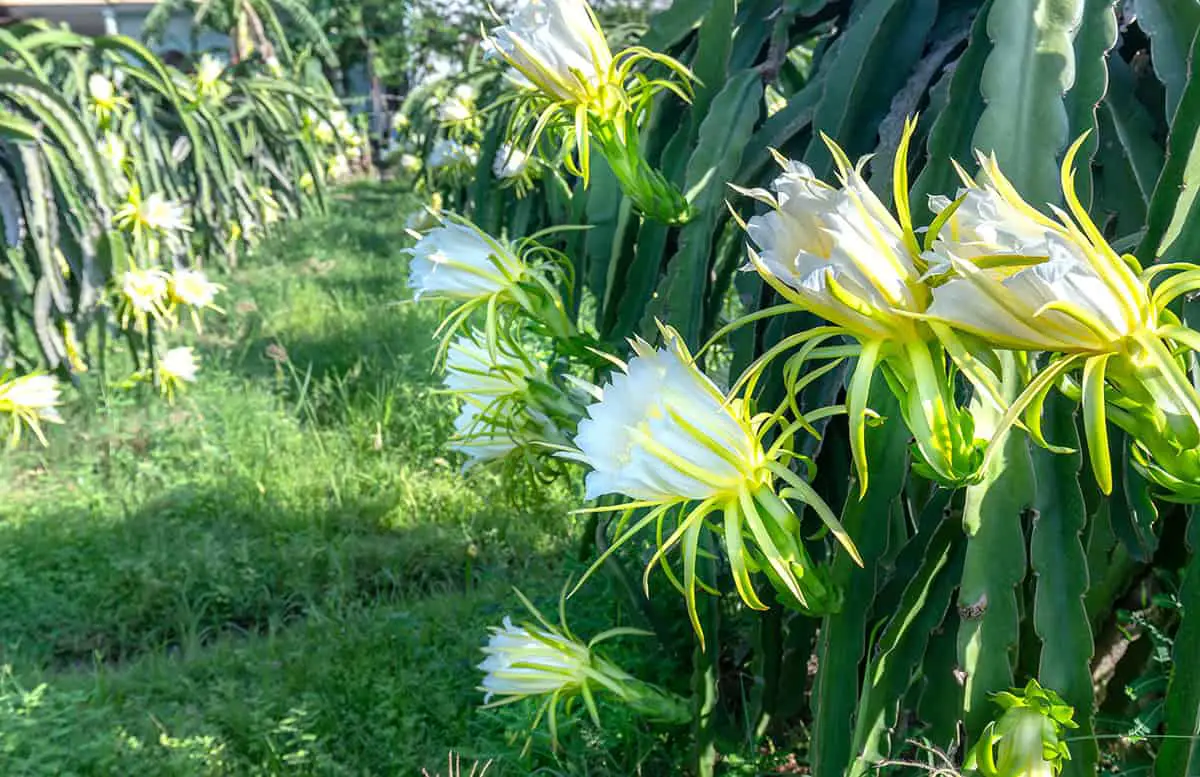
(198, 563)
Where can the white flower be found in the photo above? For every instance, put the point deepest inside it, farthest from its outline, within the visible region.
(664, 432)
(510, 162)
(410, 163)
(145, 291)
(1021, 280)
(324, 133)
(208, 71)
(466, 93)
(338, 167)
(452, 111)
(557, 46)
(471, 369)
(101, 90)
(449, 153)
(400, 121)
(155, 212)
(179, 365)
(817, 235)
(520, 663)
(192, 287)
(461, 262)
(36, 395)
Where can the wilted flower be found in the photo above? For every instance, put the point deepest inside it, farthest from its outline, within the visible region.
(664, 435)
(29, 400)
(144, 296)
(177, 367)
(1027, 740)
(400, 121)
(459, 261)
(307, 183)
(410, 163)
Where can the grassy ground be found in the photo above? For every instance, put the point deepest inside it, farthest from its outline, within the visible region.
(284, 573)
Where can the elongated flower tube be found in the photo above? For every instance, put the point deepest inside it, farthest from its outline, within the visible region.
(663, 435)
(1027, 740)
(1017, 279)
(839, 252)
(29, 400)
(525, 661)
(575, 85)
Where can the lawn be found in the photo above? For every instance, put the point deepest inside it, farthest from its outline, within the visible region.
(284, 572)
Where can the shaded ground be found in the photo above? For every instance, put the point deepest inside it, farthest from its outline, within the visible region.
(284, 573)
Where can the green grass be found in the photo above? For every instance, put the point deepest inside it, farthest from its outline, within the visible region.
(284, 573)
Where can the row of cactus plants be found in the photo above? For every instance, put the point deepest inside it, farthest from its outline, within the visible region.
(123, 182)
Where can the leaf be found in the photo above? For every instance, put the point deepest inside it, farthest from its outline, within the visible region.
(1133, 128)
(950, 137)
(711, 64)
(1171, 26)
(867, 65)
(995, 565)
(1172, 223)
(1096, 36)
(1029, 69)
(723, 136)
(901, 647)
(1061, 566)
(843, 637)
(676, 22)
(1179, 752)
